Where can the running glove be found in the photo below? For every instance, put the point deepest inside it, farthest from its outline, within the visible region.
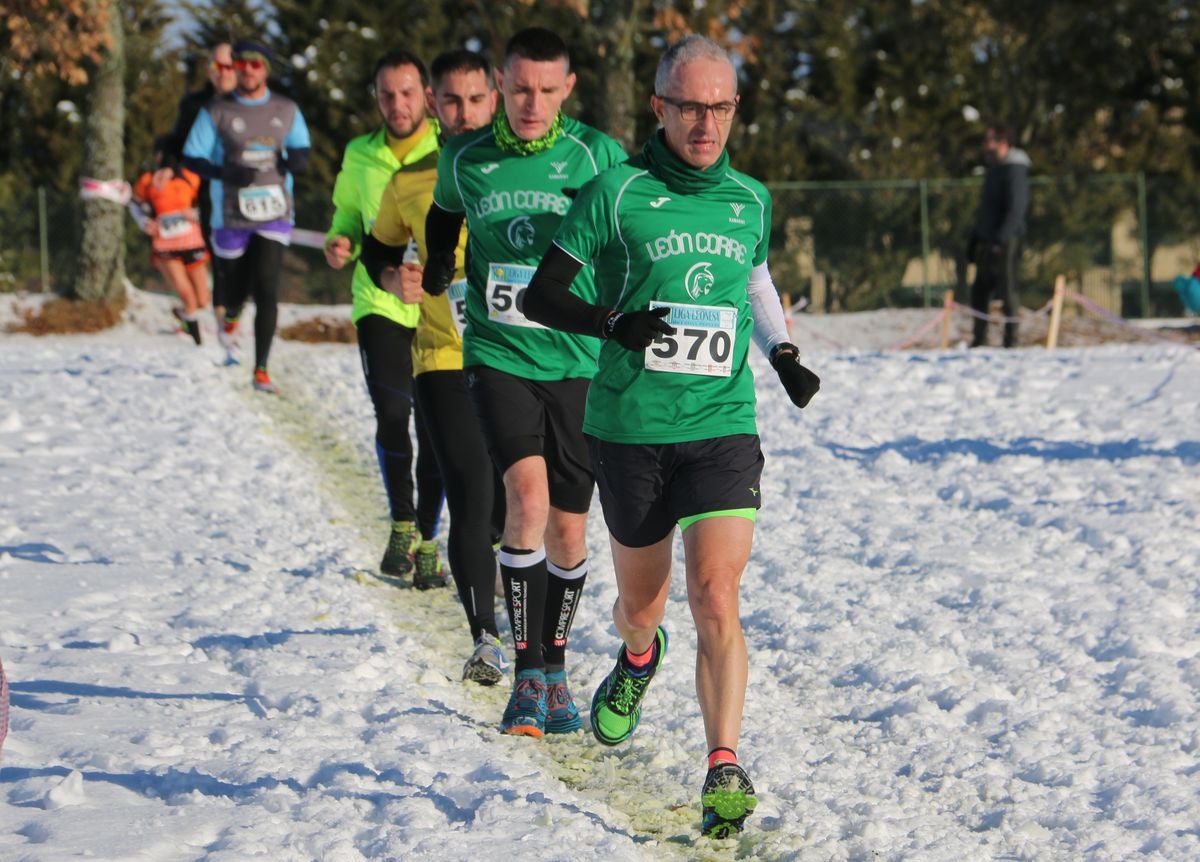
(237, 175)
(634, 330)
(800, 383)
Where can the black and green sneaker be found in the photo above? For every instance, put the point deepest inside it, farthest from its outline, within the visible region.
(617, 703)
(727, 800)
(398, 560)
(428, 573)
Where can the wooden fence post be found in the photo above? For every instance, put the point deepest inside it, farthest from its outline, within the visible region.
(947, 313)
(1060, 285)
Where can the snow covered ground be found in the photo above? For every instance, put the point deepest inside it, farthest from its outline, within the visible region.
(972, 610)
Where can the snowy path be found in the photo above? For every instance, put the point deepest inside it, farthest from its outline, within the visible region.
(972, 612)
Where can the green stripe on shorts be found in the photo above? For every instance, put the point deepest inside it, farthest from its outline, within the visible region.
(748, 514)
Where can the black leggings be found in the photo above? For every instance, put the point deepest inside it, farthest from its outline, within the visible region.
(254, 274)
(996, 274)
(385, 348)
(474, 492)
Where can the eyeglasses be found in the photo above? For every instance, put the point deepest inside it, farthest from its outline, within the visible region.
(693, 112)
(249, 63)
(217, 66)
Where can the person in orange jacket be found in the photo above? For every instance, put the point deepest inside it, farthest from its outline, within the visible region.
(164, 206)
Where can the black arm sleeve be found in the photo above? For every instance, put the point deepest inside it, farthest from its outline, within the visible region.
(203, 167)
(442, 229)
(377, 255)
(189, 107)
(296, 160)
(549, 301)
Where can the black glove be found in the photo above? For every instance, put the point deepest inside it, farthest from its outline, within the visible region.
(800, 383)
(438, 272)
(237, 175)
(634, 330)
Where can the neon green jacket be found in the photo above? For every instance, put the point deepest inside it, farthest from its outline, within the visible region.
(367, 166)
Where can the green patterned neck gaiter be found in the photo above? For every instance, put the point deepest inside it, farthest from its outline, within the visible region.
(677, 174)
(507, 140)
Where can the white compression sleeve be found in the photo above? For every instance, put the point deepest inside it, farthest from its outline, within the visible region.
(770, 326)
(139, 215)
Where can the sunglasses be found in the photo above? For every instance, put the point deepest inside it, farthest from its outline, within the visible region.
(249, 63)
(221, 67)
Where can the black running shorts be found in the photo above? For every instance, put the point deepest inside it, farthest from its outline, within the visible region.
(523, 417)
(646, 490)
(190, 257)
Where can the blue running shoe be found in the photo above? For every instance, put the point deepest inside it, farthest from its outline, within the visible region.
(562, 716)
(617, 704)
(525, 714)
(727, 800)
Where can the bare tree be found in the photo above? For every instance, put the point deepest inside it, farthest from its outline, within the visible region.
(102, 252)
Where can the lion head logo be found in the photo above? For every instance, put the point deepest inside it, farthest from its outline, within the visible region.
(699, 280)
(521, 233)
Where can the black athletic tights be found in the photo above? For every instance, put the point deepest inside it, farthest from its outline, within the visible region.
(254, 274)
(474, 493)
(385, 348)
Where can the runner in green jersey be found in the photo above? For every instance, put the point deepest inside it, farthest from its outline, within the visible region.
(678, 241)
(528, 383)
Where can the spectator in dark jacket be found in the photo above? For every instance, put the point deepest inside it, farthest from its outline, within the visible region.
(997, 238)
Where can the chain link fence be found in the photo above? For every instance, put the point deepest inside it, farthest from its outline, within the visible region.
(1120, 239)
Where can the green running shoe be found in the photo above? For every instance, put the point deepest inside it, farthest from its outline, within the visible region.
(562, 716)
(525, 714)
(727, 800)
(617, 704)
(402, 543)
(427, 571)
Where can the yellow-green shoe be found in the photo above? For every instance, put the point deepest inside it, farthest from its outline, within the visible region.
(398, 559)
(427, 571)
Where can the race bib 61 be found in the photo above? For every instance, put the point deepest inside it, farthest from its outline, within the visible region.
(263, 203)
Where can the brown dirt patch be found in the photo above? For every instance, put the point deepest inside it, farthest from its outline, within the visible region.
(63, 316)
(320, 329)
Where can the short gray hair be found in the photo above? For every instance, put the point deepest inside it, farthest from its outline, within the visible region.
(686, 50)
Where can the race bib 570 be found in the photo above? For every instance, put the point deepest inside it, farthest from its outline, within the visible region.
(702, 343)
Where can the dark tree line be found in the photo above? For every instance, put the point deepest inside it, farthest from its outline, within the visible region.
(865, 90)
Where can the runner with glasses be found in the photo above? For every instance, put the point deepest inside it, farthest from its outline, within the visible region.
(678, 242)
(221, 80)
(250, 143)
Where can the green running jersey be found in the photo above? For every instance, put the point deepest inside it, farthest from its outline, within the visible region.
(651, 246)
(513, 206)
